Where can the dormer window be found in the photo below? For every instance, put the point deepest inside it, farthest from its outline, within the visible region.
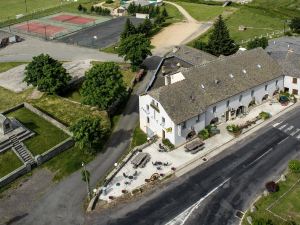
(244, 71)
(259, 66)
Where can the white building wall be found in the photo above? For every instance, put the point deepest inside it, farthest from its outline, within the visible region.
(288, 83)
(178, 133)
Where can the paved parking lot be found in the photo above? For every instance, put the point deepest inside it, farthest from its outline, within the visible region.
(107, 33)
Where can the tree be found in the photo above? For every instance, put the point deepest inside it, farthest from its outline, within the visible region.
(103, 85)
(131, 8)
(219, 42)
(129, 29)
(135, 48)
(295, 25)
(79, 7)
(159, 20)
(89, 134)
(145, 27)
(258, 42)
(47, 74)
(164, 13)
(92, 9)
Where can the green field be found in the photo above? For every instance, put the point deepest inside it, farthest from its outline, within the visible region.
(287, 207)
(46, 135)
(9, 161)
(202, 12)
(4, 66)
(174, 14)
(260, 18)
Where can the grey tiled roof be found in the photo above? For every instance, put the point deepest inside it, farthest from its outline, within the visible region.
(186, 99)
(291, 64)
(191, 55)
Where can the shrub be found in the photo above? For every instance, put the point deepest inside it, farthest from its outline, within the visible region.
(203, 134)
(264, 115)
(294, 166)
(167, 143)
(109, 1)
(233, 128)
(272, 187)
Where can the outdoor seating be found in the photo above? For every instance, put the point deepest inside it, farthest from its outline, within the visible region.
(140, 160)
(193, 145)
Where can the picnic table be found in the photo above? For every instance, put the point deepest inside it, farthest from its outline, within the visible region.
(194, 145)
(141, 160)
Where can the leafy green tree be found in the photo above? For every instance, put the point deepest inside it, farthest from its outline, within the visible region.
(132, 8)
(164, 13)
(79, 7)
(92, 9)
(135, 48)
(258, 42)
(219, 42)
(103, 85)
(145, 27)
(89, 134)
(295, 25)
(47, 74)
(159, 20)
(129, 29)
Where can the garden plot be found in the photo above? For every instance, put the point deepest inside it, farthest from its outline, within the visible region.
(13, 78)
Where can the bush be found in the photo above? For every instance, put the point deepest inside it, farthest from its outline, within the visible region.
(109, 1)
(167, 143)
(264, 115)
(233, 128)
(204, 134)
(272, 187)
(294, 166)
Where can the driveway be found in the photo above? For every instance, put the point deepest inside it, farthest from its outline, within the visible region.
(25, 50)
(178, 33)
(211, 193)
(63, 204)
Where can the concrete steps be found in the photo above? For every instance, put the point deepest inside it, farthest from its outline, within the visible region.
(21, 150)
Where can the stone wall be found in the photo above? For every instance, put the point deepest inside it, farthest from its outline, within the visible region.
(14, 175)
(13, 109)
(54, 151)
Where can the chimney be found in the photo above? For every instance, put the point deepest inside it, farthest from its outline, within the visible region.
(167, 80)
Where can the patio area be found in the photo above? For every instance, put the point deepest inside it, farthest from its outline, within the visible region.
(129, 178)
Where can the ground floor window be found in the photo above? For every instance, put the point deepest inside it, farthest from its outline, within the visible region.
(286, 89)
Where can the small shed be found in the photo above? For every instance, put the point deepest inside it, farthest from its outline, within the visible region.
(5, 124)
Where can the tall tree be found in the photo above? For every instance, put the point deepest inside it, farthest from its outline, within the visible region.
(164, 13)
(129, 29)
(89, 134)
(295, 25)
(47, 74)
(219, 42)
(135, 48)
(258, 42)
(103, 85)
(145, 27)
(132, 8)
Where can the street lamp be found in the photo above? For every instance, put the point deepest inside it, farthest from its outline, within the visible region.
(87, 180)
(94, 39)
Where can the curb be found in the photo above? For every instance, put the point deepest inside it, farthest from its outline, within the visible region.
(196, 162)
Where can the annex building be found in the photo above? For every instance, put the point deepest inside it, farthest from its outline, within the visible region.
(192, 89)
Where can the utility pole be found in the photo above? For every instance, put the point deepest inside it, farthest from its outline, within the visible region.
(87, 181)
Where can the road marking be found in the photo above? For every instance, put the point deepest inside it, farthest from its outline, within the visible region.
(283, 126)
(289, 128)
(276, 124)
(259, 157)
(282, 141)
(295, 132)
(183, 217)
(298, 137)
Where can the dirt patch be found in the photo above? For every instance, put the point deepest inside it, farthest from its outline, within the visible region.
(17, 201)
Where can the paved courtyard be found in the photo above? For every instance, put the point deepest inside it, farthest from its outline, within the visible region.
(13, 78)
(178, 158)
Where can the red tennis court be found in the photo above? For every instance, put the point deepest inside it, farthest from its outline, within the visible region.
(40, 28)
(72, 19)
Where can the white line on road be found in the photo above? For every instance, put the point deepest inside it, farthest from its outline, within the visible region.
(289, 128)
(295, 132)
(276, 124)
(298, 137)
(283, 126)
(260, 157)
(282, 141)
(183, 217)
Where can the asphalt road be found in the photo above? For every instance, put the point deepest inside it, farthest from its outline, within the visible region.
(63, 204)
(107, 33)
(226, 183)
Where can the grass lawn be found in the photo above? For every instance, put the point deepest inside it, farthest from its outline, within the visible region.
(287, 207)
(4, 66)
(9, 99)
(174, 14)
(202, 12)
(9, 161)
(47, 135)
(138, 138)
(67, 162)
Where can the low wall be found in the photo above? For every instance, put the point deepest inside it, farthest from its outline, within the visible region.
(54, 151)
(14, 175)
(48, 118)
(13, 109)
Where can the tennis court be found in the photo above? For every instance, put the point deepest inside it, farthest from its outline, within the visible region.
(58, 25)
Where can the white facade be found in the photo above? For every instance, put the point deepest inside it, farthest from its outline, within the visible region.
(155, 121)
(292, 84)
